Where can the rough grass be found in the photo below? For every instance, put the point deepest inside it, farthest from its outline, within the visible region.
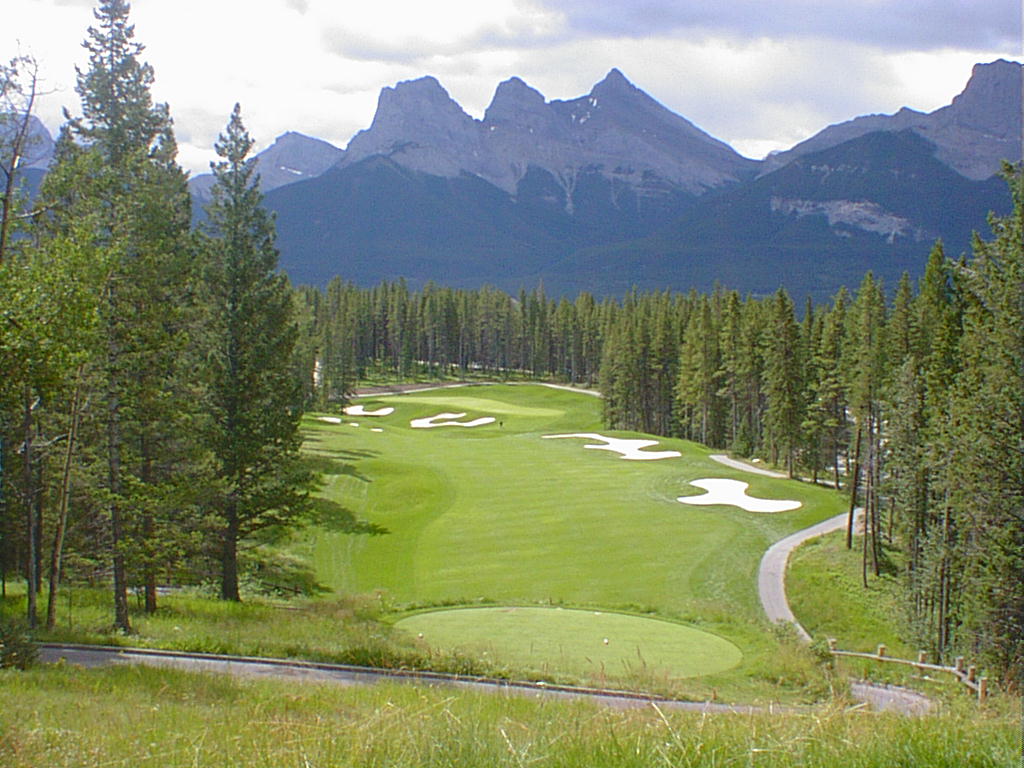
(170, 719)
(828, 597)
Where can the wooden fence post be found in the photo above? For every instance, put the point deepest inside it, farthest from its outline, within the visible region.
(881, 651)
(982, 689)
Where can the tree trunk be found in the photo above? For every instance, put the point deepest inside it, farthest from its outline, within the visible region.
(871, 499)
(18, 139)
(121, 619)
(31, 571)
(148, 528)
(57, 553)
(854, 482)
(40, 504)
(229, 555)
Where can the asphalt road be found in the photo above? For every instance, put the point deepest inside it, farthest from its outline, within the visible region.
(98, 656)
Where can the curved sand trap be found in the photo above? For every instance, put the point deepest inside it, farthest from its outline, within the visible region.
(575, 641)
(358, 410)
(329, 419)
(734, 493)
(631, 450)
(433, 421)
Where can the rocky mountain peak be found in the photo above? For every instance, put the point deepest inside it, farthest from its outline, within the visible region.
(614, 83)
(419, 126)
(512, 99)
(414, 100)
(972, 135)
(616, 131)
(992, 98)
(38, 151)
(292, 157)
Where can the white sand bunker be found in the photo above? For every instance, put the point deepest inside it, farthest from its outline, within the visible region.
(734, 493)
(631, 450)
(435, 421)
(329, 419)
(376, 429)
(358, 410)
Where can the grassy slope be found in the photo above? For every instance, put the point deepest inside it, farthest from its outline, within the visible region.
(163, 718)
(828, 597)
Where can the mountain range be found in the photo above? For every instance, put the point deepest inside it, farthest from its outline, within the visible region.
(613, 190)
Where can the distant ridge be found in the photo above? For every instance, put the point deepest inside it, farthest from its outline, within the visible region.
(612, 190)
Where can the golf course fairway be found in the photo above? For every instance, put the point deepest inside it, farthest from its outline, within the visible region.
(496, 514)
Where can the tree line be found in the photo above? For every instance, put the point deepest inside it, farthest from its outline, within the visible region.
(149, 405)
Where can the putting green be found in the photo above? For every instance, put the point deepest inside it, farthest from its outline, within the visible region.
(573, 641)
(483, 404)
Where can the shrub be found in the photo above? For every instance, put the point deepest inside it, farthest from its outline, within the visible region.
(16, 647)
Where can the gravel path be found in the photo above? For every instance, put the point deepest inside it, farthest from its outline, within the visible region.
(721, 458)
(771, 575)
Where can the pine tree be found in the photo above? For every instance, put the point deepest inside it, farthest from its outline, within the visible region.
(254, 401)
(784, 385)
(986, 445)
(699, 378)
(116, 170)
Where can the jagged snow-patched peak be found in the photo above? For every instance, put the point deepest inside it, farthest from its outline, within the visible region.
(616, 130)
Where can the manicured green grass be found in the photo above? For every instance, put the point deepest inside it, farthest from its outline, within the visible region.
(497, 514)
(159, 718)
(588, 644)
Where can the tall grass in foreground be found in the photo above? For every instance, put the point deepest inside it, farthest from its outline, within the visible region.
(170, 719)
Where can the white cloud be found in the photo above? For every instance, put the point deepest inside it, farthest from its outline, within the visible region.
(317, 66)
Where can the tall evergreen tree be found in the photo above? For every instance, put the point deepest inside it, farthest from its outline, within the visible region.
(254, 400)
(985, 478)
(784, 385)
(116, 169)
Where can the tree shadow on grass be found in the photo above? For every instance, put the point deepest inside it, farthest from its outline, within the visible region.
(332, 516)
(337, 463)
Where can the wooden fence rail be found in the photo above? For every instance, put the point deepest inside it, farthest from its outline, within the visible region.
(967, 675)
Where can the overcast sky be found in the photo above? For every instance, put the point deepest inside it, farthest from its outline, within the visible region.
(758, 75)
